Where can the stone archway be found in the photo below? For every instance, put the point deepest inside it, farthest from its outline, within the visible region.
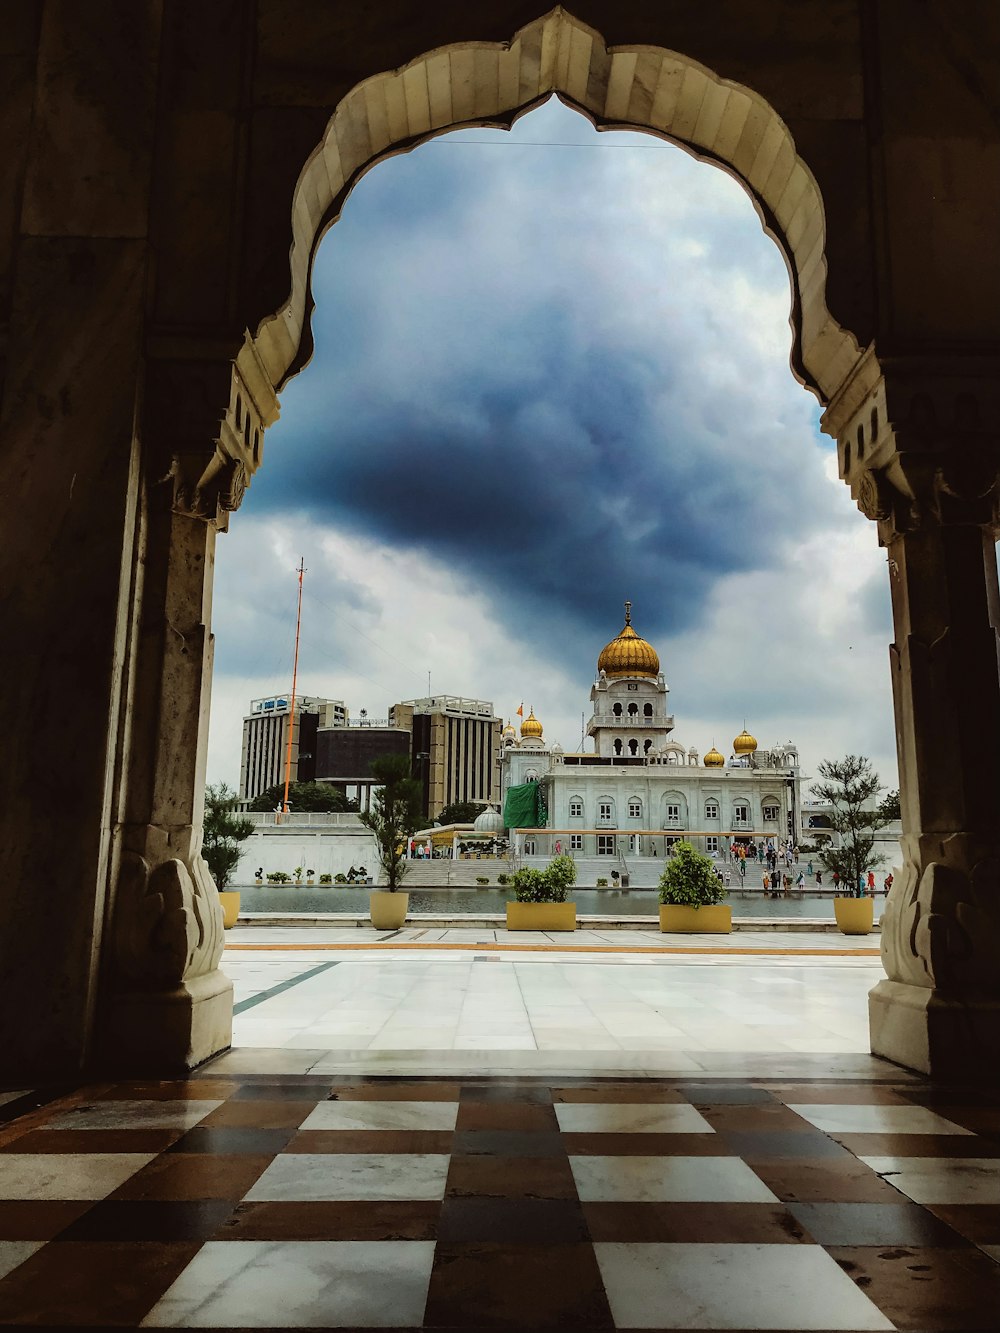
(151, 216)
(642, 88)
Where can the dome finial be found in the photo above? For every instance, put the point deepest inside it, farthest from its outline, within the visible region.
(628, 613)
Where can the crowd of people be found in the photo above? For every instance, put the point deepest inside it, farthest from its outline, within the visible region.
(776, 861)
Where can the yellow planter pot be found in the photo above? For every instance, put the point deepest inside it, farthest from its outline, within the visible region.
(714, 920)
(855, 916)
(388, 910)
(541, 916)
(230, 900)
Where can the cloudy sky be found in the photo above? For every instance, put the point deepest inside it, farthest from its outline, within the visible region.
(551, 373)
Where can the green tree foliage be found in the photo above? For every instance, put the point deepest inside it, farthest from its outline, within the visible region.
(224, 831)
(394, 814)
(316, 797)
(689, 879)
(545, 886)
(888, 807)
(851, 786)
(460, 812)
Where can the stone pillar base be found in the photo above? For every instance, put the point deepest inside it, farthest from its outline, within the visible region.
(164, 1033)
(954, 1040)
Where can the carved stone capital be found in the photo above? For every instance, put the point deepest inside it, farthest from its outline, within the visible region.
(918, 439)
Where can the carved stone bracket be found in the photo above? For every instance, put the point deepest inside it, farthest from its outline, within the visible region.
(168, 922)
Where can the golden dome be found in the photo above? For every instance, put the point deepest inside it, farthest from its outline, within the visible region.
(531, 725)
(628, 654)
(713, 759)
(744, 742)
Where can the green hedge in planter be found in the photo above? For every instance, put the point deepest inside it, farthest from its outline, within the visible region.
(689, 879)
(545, 886)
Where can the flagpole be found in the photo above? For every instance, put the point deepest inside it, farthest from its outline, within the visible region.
(295, 679)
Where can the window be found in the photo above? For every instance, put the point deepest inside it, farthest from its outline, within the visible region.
(770, 811)
(634, 842)
(617, 710)
(673, 814)
(633, 710)
(712, 846)
(711, 809)
(647, 745)
(529, 847)
(635, 809)
(576, 842)
(670, 842)
(605, 844)
(576, 809)
(604, 812)
(648, 710)
(633, 746)
(618, 745)
(741, 815)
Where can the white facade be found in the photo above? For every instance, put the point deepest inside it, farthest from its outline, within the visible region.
(641, 789)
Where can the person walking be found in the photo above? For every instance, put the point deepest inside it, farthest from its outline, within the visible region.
(871, 882)
(819, 879)
(800, 881)
(809, 868)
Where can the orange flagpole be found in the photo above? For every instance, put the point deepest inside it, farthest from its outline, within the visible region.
(295, 679)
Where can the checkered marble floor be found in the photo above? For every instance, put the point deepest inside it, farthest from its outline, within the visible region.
(291, 1201)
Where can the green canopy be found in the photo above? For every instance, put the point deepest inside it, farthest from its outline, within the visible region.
(524, 806)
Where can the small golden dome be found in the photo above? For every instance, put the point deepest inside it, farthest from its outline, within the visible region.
(628, 654)
(713, 759)
(744, 742)
(531, 725)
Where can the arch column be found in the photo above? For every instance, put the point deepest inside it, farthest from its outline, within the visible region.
(165, 1004)
(919, 444)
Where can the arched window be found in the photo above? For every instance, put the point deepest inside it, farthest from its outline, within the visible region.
(635, 808)
(633, 746)
(741, 814)
(531, 776)
(606, 812)
(771, 809)
(647, 745)
(576, 807)
(617, 710)
(647, 710)
(711, 809)
(633, 710)
(618, 745)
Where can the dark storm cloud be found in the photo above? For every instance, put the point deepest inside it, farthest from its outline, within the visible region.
(509, 377)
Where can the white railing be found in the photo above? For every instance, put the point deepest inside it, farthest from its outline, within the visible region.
(305, 819)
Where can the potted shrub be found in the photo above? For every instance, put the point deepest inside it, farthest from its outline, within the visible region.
(279, 877)
(392, 819)
(310, 875)
(297, 872)
(502, 879)
(326, 879)
(602, 883)
(224, 830)
(258, 875)
(851, 787)
(340, 878)
(541, 897)
(691, 895)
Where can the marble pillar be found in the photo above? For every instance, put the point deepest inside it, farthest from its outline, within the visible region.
(929, 475)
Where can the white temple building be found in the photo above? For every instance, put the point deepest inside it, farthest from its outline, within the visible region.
(640, 789)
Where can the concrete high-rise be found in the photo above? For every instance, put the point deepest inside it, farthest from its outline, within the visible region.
(265, 739)
(455, 745)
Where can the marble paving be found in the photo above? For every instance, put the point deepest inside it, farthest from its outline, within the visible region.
(381, 1009)
(285, 1200)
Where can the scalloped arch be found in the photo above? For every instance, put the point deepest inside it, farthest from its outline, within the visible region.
(634, 87)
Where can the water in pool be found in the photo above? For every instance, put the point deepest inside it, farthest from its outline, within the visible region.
(492, 901)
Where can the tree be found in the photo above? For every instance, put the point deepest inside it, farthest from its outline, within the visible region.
(460, 812)
(889, 807)
(224, 831)
(851, 787)
(394, 814)
(303, 796)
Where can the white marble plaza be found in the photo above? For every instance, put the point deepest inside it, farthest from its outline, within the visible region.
(493, 1002)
